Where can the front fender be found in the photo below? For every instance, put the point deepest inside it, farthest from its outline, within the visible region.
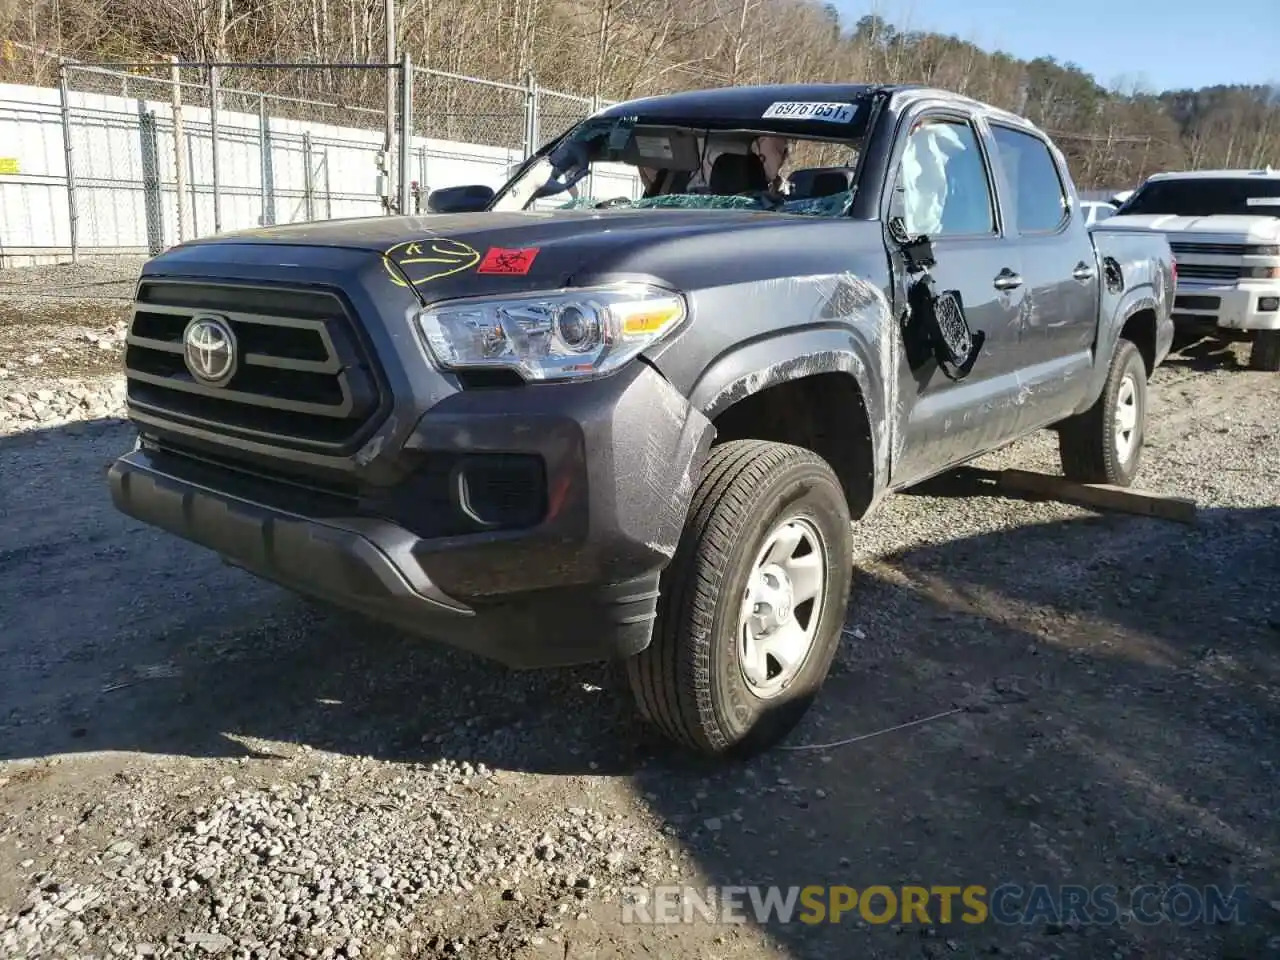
(746, 337)
(795, 354)
(789, 355)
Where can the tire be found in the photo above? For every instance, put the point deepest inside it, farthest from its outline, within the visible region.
(692, 681)
(1090, 445)
(1265, 352)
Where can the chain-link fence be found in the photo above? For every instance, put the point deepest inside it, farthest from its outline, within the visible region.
(465, 110)
(133, 158)
(167, 152)
(469, 131)
(557, 112)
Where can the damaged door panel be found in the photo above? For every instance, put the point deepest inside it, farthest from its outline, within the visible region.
(942, 190)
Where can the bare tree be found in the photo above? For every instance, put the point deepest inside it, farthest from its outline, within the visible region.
(612, 49)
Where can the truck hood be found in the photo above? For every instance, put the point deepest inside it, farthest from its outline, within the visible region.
(447, 255)
(1244, 229)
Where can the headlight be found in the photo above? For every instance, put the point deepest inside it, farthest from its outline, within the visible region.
(551, 336)
(1262, 250)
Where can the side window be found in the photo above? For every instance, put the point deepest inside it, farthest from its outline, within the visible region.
(1030, 171)
(942, 181)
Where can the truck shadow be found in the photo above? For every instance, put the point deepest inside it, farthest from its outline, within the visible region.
(1111, 688)
(1214, 349)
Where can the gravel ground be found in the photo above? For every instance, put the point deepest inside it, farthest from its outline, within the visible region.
(64, 321)
(194, 763)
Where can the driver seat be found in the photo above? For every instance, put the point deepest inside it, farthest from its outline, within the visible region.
(735, 173)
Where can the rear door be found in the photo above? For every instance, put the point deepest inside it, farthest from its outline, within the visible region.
(942, 185)
(1059, 316)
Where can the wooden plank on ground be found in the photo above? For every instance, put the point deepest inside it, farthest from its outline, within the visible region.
(1098, 495)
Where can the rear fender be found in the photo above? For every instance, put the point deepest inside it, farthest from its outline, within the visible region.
(1136, 274)
(1109, 328)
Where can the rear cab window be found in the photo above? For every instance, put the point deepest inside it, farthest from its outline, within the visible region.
(1039, 195)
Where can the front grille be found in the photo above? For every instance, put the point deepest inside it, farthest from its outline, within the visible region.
(1192, 302)
(1208, 271)
(1183, 248)
(303, 378)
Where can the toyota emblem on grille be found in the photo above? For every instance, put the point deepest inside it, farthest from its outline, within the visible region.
(209, 348)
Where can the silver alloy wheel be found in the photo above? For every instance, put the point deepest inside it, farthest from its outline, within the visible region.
(1126, 419)
(782, 606)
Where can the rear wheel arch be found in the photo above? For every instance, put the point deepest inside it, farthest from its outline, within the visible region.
(1141, 329)
(1135, 314)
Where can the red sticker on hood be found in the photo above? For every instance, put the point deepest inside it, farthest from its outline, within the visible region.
(511, 262)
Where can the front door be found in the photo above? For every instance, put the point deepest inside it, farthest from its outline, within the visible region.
(943, 189)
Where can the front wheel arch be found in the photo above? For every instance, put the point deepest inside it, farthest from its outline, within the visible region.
(822, 412)
(846, 383)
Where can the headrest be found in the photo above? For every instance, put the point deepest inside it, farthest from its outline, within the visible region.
(827, 184)
(735, 173)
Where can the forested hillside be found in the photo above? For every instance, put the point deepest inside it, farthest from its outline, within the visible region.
(623, 48)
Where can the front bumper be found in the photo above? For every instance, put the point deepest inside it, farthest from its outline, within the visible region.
(1233, 307)
(620, 457)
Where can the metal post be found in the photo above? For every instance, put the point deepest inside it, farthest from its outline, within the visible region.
(64, 98)
(423, 189)
(179, 154)
(406, 128)
(531, 117)
(195, 195)
(388, 146)
(328, 187)
(308, 179)
(152, 203)
(213, 138)
(265, 217)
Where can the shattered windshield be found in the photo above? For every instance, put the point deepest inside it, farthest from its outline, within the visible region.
(628, 163)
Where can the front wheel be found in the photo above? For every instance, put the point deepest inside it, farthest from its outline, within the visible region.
(1265, 352)
(752, 602)
(1104, 444)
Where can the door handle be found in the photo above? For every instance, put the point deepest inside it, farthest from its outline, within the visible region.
(1082, 272)
(1006, 279)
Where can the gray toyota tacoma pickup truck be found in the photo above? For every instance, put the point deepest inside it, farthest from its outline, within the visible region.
(627, 406)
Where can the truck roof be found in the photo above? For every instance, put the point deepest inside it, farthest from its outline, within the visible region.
(747, 105)
(1265, 173)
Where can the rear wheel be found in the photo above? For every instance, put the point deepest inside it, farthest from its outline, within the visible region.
(752, 602)
(1265, 353)
(1104, 444)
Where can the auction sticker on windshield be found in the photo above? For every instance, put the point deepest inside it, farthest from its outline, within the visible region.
(808, 110)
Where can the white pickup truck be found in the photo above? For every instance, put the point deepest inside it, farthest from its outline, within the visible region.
(1224, 229)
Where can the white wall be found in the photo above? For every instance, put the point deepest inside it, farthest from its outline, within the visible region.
(108, 163)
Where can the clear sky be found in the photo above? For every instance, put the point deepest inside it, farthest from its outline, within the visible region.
(1163, 44)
